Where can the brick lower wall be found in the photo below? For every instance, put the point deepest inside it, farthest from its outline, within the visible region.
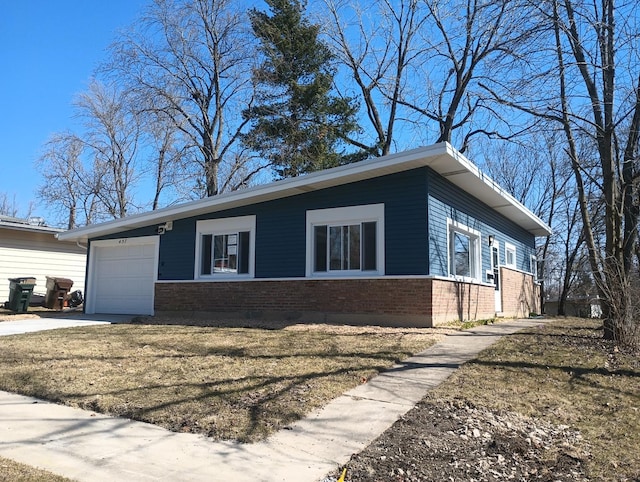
(389, 301)
(393, 299)
(520, 294)
(453, 300)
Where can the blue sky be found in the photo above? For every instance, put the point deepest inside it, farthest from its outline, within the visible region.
(48, 51)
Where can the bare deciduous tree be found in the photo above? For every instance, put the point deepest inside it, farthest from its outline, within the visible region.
(9, 206)
(591, 45)
(417, 65)
(591, 89)
(112, 136)
(466, 43)
(165, 161)
(63, 174)
(377, 44)
(191, 61)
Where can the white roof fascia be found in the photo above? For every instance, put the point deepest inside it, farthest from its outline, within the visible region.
(441, 157)
(496, 197)
(31, 228)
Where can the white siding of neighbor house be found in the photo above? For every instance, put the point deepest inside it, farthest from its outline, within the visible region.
(38, 255)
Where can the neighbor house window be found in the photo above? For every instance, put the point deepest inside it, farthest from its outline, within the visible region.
(343, 241)
(509, 255)
(225, 247)
(464, 251)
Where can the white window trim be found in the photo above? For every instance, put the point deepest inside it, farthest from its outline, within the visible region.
(345, 216)
(533, 266)
(474, 235)
(510, 247)
(225, 226)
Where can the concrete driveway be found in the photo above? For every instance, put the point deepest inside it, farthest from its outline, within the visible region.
(29, 325)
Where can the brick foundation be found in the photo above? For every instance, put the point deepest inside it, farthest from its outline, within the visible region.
(388, 301)
(453, 300)
(520, 295)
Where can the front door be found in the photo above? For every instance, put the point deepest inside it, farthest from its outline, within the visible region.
(495, 267)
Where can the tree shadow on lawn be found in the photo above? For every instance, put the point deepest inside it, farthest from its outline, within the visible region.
(546, 343)
(260, 405)
(576, 374)
(246, 408)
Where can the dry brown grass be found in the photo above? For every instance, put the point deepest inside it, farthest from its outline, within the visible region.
(226, 382)
(11, 471)
(233, 382)
(566, 374)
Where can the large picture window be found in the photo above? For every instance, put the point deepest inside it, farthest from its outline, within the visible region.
(343, 241)
(225, 247)
(345, 247)
(464, 251)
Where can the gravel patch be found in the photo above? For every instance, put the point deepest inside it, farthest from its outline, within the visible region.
(455, 440)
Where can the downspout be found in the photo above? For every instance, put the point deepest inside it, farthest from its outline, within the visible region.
(86, 276)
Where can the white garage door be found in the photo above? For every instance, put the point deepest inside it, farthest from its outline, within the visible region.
(123, 273)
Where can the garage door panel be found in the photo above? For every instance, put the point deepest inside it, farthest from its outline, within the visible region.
(125, 268)
(124, 277)
(125, 252)
(117, 288)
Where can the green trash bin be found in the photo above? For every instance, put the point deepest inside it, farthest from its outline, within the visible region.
(20, 291)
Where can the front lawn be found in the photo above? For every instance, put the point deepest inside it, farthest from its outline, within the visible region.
(11, 471)
(226, 382)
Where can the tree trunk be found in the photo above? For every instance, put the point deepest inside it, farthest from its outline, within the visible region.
(72, 217)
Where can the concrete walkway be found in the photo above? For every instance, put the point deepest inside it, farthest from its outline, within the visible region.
(91, 447)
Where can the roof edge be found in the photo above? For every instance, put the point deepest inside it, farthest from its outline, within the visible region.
(369, 168)
(30, 228)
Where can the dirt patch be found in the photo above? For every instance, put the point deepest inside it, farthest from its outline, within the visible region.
(442, 440)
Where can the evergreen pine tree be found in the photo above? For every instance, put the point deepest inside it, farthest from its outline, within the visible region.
(297, 124)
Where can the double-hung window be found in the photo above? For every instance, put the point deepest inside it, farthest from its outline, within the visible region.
(225, 247)
(464, 251)
(346, 241)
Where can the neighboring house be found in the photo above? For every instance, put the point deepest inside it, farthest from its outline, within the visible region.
(584, 307)
(416, 238)
(29, 249)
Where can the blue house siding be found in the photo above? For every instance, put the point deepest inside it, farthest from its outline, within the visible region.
(281, 228)
(417, 205)
(446, 200)
(178, 251)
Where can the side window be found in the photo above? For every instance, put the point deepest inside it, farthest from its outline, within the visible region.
(464, 251)
(510, 255)
(346, 241)
(225, 247)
